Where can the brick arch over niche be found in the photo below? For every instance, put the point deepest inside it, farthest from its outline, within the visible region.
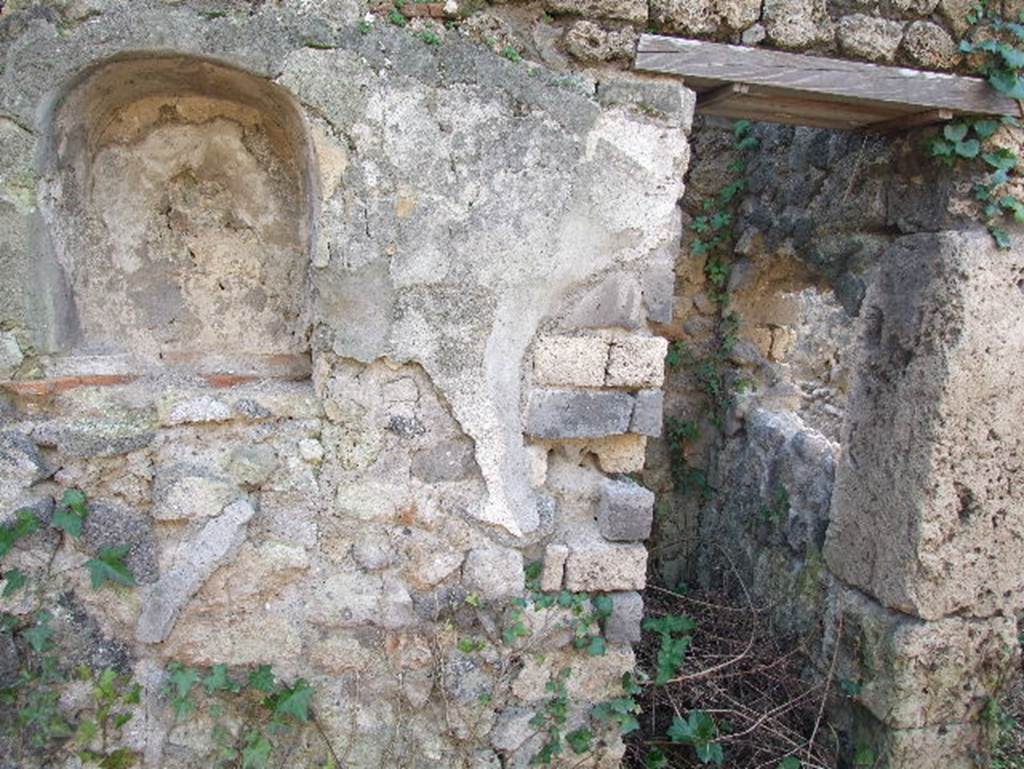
(181, 206)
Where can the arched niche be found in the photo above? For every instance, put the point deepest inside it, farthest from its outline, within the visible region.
(180, 201)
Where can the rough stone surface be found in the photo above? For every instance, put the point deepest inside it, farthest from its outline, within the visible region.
(21, 465)
(590, 42)
(618, 299)
(112, 525)
(190, 493)
(798, 23)
(913, 673)
(648, 413)
(217, 542)
(928, 45)
(623, 626)
(705, 17)
(637, 361)
(625, 511)
(627, 10)
(570, 361)
(493, 573)
(869, 37)
(578, 414)
(554, 567)
(597, 565)
(10, 354)
(448, 461)
(931, 430)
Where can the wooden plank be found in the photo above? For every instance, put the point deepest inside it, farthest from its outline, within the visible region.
(775, 106)
(828, 80)
(723, 94)
(905, 122)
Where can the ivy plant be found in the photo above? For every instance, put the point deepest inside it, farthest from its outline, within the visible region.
(997, 48)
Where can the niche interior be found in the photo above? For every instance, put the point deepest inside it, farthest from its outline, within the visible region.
(180, 197)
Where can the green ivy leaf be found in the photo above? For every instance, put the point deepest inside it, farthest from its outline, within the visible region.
(580, 740)
(985, 128)
(262, 679)
(597, 646)
(122, 758)
(699, 730)
(711, 753)
(1002, 237)
(218, 680)
(1013, 58)
(26, 523)
(256, 753)
(656, 759)
(850, 687)
(295, 701)
(603, 606)
(86, 731)
(790, 762)
(105, 684)
(955, 132)
(968, 149)
(109, 566)
(71, 513)
(1007, 81)
(864, 757)
(14, 580)
(180, 681)
(39, 635)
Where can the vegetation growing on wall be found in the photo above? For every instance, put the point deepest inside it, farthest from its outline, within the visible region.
(716, 378)
(997, 50)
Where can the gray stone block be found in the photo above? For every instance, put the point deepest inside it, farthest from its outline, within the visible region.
(625, 511)
(578, 413)
(623, 625)
(648, 413)
(615, 301)
(113, 526)
(451, 460)
(215, 544)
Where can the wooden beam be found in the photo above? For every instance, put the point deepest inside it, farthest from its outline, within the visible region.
(877, 92)
(776, 106)
(725, 93)
(915, 120)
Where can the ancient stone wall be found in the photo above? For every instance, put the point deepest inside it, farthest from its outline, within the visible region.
(915, 33)
(870, 522)
(339, 332)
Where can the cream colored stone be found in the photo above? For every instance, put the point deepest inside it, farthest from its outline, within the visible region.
(594, 564)
(637, 361)
(247, 639)
(570, 361)
(554, 567)
(537, 463)
(619, 453)
(257, 574)
(592, 679)
(922, 514)
(339, 654)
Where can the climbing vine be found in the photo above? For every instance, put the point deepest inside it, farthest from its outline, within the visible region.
(997, 47)
(714, 241)
(30, 697)
(94, 733)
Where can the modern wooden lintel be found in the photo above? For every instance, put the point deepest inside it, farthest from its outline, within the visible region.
(759, 84)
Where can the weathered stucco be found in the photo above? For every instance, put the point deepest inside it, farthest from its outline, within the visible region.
(286, 301)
